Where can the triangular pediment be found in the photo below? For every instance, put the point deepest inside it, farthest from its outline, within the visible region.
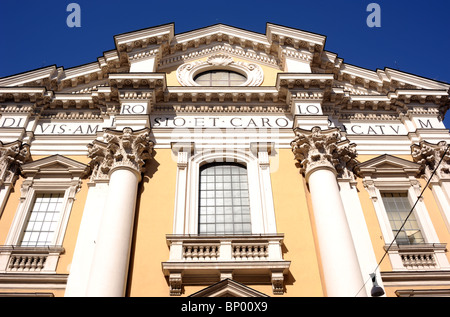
(55, 164)
(387, 164)
(228, 288)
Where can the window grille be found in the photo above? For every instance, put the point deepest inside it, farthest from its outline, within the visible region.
(398, 207)
(43, 220)
(220, 78)
(224, 206)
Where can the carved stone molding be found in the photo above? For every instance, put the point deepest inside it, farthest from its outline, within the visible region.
(125, 148)
(318, 149)
(12, 155)
(187, 72)
(176, 285)
(428, 156)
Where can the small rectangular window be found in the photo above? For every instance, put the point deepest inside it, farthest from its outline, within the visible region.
(43, 220)
(398, 207)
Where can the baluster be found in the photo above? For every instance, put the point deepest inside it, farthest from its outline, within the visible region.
(195, 253)
(261, 253)
(187, 252)
(208, 250)
(255, 252)
(12, 263)
(22, 263)
(41, 262)
(236, 252)
(34, 263)
(28, 261)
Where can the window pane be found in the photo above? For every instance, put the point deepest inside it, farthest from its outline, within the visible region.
(42, 220)
(398, 207)
(227, 200)
(220, 78)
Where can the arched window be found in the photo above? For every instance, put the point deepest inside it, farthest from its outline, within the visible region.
(224, 206)
(220, 78)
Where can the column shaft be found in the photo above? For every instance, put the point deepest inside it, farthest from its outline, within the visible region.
(339, 260)
(112, 252)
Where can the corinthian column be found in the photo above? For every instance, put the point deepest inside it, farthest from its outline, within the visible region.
(122, 157)
(429, 155)
(12, 155)
(322, 156)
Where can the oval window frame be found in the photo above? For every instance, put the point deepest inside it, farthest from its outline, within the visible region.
(187, 72)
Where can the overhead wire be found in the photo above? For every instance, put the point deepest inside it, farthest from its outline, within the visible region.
(406, 219)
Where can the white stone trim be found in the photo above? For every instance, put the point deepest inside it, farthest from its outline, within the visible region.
(260, 193)
(49, 175)
(359, 231)
(187, 72)
(29, 190)
(398, 180)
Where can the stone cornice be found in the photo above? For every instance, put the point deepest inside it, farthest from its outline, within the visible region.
(279, 33)
(145, 37)
(138, 80)
(406, 101)
(264, 95)
(215, 48)
(37, 77)
(24, 94)
(396, 89)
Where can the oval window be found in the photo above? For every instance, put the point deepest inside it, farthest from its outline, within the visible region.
(220, 78)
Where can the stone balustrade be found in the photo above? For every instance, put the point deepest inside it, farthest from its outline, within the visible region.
(195, 259)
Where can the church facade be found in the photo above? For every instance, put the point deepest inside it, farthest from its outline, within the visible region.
(223, 162)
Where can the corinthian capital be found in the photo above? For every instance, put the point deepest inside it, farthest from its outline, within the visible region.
(318, 149)
(428, 155)
(125, 148)
(12, 155)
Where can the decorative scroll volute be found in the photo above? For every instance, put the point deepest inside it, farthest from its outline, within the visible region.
(121, 148)
(317, 148)
(12, 155)
(429, 155)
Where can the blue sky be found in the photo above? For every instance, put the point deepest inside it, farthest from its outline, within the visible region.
(414, 35)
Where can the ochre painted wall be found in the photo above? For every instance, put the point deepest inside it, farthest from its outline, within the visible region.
(293, 217)
(71, 232)
(154, 220)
